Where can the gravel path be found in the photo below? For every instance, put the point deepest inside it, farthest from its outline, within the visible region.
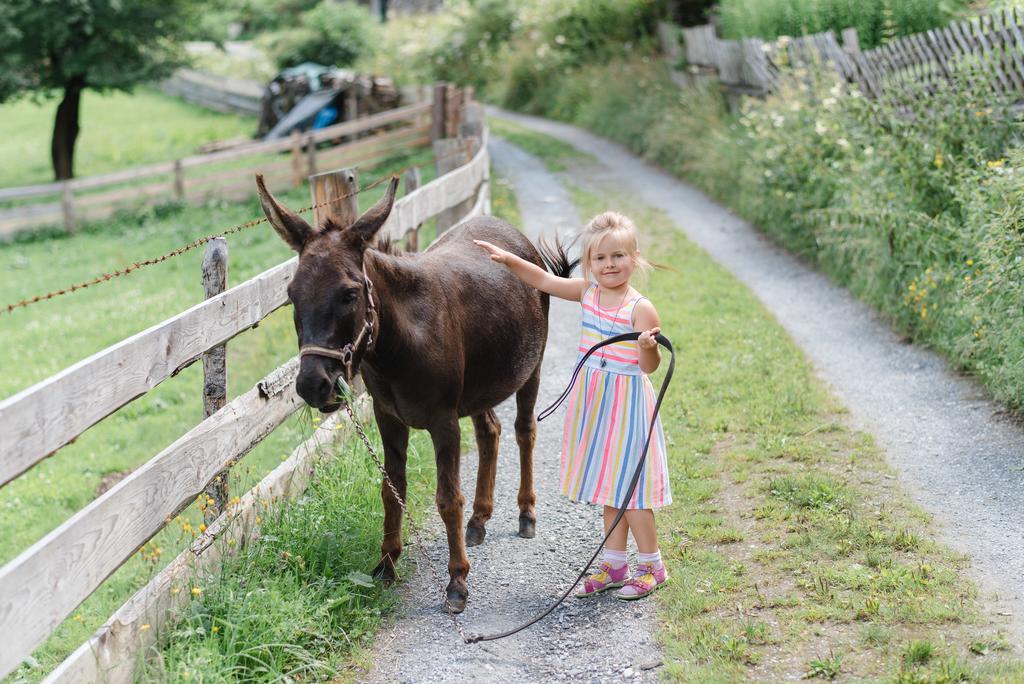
(513, 579)
(953, 448)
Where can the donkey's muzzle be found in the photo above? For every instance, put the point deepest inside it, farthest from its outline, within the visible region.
(316, 385)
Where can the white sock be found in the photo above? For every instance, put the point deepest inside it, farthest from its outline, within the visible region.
(652, 558)
(616, 559)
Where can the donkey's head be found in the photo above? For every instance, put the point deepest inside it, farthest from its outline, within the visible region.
(334, 303)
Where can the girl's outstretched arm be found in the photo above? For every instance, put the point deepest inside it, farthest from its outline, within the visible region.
(535, 276)
(647, 323)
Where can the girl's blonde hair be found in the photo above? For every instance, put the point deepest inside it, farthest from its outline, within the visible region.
(622, 229)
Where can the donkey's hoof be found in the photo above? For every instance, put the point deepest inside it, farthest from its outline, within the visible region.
(385, 572)
(475, 535)
(527, 528)
(457, 600)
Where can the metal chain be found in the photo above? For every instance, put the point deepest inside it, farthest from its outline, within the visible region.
(8, 308)
(414, 532)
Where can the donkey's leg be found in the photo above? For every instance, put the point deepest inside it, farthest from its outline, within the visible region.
(487, 429)
(445, 435)
(526, 437)
(395, 436)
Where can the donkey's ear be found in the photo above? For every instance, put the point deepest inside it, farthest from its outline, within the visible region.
(367, 225)
(292, 228)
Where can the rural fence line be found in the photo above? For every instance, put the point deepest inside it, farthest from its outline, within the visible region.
(46, 582)
(221, 93)
(991, 45)
(444, 163)
(217, 175)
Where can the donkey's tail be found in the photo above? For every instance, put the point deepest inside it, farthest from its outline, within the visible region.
(556, 257)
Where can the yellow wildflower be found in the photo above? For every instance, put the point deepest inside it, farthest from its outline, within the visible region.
(202, 527)
(938, 159)
(215, 629)
(144, 627)
(196, 591)
(996, 163)
(970, 262)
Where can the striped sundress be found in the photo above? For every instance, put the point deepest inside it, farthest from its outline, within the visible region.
(608, 417)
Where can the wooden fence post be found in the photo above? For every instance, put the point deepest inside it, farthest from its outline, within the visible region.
(297, 174)
(412, 181)
(67, 206)
(329, 187)
(450, 154)
(215, 369)
(453, 111)
(179, 180)
(310, 154)
(438, 128)
(851, 43)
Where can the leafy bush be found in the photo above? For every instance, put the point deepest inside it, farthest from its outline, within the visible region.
(916, 209)
(252, 16)
(331, 33)
(875, 20)
(469, 55)
(593, 31)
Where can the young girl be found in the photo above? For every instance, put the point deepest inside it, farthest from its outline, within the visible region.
(611, 405)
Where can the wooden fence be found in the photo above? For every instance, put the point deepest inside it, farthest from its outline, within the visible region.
(222, 175)
(990, 46)
(221, 93)
(44, 584)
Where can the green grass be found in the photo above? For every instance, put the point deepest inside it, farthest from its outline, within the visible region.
(118, 130)
(297, 602)
(41, 340)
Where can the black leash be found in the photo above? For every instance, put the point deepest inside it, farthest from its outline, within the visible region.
(663, 341)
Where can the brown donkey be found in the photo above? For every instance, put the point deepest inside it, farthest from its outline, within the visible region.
(436, 336)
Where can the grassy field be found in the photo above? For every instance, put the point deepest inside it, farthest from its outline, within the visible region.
(118, 130)
(794, 552)
(43, 339)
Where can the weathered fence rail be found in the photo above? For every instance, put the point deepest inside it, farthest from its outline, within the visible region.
(45, 583)
(207, 176)
(222, 93)
(990, 46)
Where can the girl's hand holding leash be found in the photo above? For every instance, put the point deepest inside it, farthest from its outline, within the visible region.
(646, 339)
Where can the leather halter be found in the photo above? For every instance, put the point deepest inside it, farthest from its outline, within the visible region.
(364, 339)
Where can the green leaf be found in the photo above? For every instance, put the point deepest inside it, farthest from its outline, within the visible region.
(360, 579)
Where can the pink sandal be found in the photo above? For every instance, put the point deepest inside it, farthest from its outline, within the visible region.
(604, 579)
(646, 580)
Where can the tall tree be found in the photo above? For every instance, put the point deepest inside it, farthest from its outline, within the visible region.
(62, 47)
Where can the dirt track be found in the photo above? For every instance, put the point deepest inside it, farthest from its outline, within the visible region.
(513, 579)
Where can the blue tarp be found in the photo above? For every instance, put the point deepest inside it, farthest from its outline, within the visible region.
(302, 113)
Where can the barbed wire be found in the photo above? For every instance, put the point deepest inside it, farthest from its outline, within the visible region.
(8, 308)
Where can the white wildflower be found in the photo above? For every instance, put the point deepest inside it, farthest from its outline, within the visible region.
(843, 142)
(820, 128)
